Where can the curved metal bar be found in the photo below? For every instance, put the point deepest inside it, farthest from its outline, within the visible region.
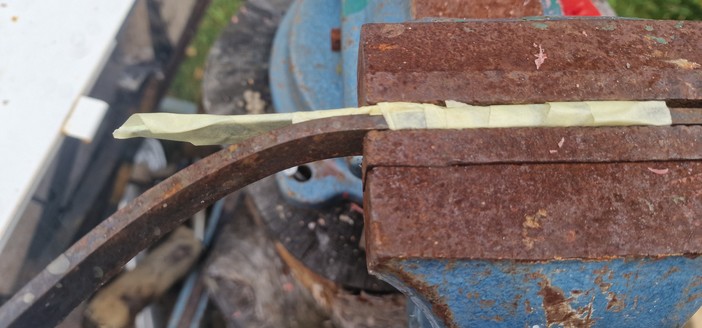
(99, 255)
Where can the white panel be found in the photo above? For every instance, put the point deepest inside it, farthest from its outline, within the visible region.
(50, 52)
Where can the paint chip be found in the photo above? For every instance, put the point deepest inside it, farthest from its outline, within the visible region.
(541, 26)
(658, 171)
(59, 266)
(560, 143)
(684, 63)
(552, 151)
(657, 39)
(540, 58)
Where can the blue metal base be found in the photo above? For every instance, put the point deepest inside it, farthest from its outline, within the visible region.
(645, 292)
(329, 181)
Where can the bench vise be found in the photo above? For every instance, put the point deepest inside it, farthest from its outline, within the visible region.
(518, 227)
(536, 227)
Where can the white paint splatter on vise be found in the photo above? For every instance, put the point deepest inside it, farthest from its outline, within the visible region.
(540, 58)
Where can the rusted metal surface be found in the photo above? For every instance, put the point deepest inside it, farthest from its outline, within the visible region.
(688, 116)
(534, 212)
(548, 193)
(475, 9)
(71, 277)
(532, 61)
(532, 145)
(335, 36)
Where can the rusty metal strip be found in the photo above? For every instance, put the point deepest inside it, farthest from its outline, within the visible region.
(532, 145)
(689, 116)
(532, 61)
(98, 256)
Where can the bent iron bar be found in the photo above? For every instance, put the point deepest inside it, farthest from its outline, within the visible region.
(73, 276)
(99, 255)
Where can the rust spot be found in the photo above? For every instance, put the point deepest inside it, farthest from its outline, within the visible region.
(599, 280)
(527, 307)
(386, 46)
(558, 309)
(487, 303)
(694, 297)
(689, 289)
(232, 148)
(670, 272)
(514, 305)
(172, 190)
(335, 37)
(614, 303)
(604, 286)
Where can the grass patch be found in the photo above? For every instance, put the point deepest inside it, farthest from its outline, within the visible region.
(658, 9)
(187, 84)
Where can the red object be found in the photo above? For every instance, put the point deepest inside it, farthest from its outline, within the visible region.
(579, 8)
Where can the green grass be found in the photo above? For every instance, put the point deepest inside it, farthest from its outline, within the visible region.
(187, 84)
(659, 9)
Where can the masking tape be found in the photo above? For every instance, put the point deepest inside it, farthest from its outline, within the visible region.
(228, 129)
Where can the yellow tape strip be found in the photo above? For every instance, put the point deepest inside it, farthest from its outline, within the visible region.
(228, 129)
